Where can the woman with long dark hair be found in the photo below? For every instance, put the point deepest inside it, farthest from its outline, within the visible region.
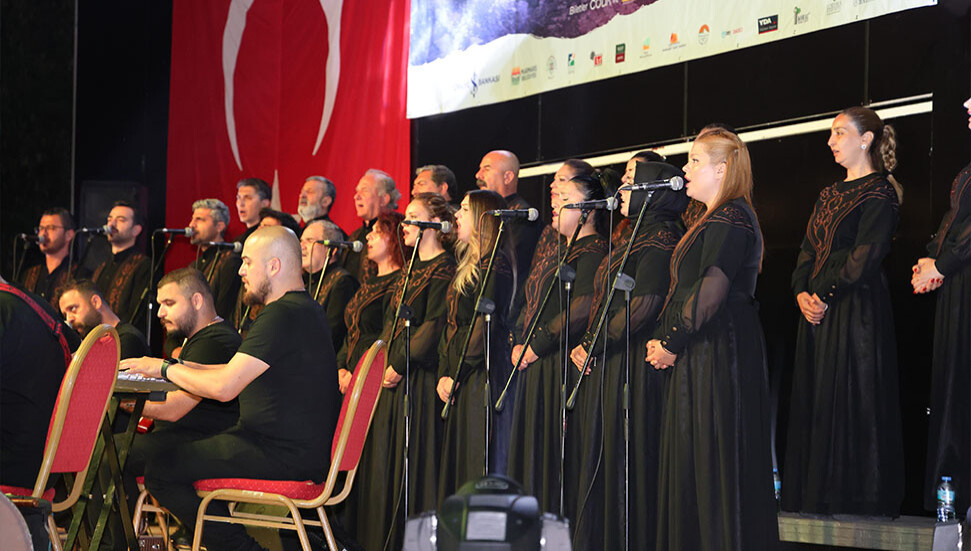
(715, 474)
(596, 431)
(844, 452)
(463, 451)
(534, 451)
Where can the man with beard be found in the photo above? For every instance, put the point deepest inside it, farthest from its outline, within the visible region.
(252, 194)
(317, 196)
(124, 277)
(55, 232)
(374, 195)
(283, 374)
(210, 217)
(187, 311)
(85, 308)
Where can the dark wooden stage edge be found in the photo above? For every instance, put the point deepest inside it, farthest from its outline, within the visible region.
(857, 532)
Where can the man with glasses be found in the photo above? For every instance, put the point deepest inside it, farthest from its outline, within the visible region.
(55, 232)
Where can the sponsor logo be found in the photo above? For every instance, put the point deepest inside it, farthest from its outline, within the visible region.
(703, 34)
(861, 2)
(571, 62)
(476, 81)
(732, 32)
(798, 18)
(834, 7)
(646, 47)
(515, 76)
(768, 24)
(597, 58)
(674, 42)
(620, 53)
(529, 73)
(550, 67)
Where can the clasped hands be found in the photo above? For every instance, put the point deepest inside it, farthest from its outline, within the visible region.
(926, 277)
(658, 356)
(812, 307)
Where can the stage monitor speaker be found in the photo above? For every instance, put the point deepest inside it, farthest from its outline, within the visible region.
(489, 514)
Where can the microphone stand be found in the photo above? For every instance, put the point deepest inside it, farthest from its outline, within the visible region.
(566, 274)
(479, 307)
(501, 402)
(610, 296)
(151, 284)
(23, 255)
(626, 284)
(323, 271)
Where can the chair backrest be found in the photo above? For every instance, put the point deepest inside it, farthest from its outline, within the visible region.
(358, 408)
(80, 407)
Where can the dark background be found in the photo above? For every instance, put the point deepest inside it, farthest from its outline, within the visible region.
(122, 107)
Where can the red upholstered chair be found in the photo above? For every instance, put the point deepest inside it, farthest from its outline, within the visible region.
(78, 412)
(352, 428)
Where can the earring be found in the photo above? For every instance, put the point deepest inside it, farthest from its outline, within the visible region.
(863, 146)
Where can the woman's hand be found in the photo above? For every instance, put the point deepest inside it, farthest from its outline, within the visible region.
(579, 356)
(343, 379)
(658, 356)
(926, 277)
(445, 388)
(812, 307)
(391, 378)
(529, 358)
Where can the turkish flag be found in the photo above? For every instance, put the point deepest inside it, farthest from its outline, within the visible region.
(282, 90)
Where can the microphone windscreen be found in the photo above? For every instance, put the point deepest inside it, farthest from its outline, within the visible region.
(533, 215)
(189, 232)
(357, 246)
(446, 227)
(677, 183)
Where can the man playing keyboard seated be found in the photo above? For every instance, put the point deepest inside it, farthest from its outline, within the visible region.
(284, 374)
(187, 311)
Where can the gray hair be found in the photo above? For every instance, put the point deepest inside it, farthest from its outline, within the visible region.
(218, 209)
(330, 190)
(331, 230)
(441, 174)
(386, 186)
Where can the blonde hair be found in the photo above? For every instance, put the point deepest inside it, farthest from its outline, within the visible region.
(483, 238)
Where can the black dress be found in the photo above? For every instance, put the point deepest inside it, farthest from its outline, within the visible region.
(381, 471)
(597, 427)
(364, 318)
(948, 450)
(845, 445)
(534, 449)
(464, 440)
(715, 476)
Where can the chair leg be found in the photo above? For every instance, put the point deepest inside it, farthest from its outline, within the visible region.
(52, 532)
(137, 515)
(328, 533)
(200, 520)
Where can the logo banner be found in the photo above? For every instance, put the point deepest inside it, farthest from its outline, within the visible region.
(478, 52)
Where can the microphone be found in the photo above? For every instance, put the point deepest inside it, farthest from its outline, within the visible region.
(610, 203)
(105, 230)
(355, 246)
(674, 183)
(443, 227)
(189, 232)
(236, 246)
(530, 214)
(33, 238)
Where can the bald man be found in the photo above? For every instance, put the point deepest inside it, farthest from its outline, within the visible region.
(284, 374)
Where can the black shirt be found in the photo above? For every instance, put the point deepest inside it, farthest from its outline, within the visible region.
(357, 263)
(132, 343)
(31, 369)
(212, 345)
(39, 281)
(290, 404)
(523, 235)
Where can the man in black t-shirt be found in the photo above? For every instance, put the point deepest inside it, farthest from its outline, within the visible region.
(284, 375)
(32, 366)
(85, 308)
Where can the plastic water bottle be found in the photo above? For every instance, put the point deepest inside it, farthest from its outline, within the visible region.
(777, 484)
(945, 500)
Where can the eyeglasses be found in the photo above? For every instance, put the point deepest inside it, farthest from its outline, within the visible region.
(39, 229)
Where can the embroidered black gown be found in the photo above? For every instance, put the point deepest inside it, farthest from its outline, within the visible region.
(845, 443)
(596, 430)
(463, 446)
(381, 471)
(534, 449)
(948, 450)
(715, 475)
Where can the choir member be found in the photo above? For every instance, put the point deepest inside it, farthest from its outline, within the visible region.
(946, 269)
(715, 473)
(337, 287)
(845, 446)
